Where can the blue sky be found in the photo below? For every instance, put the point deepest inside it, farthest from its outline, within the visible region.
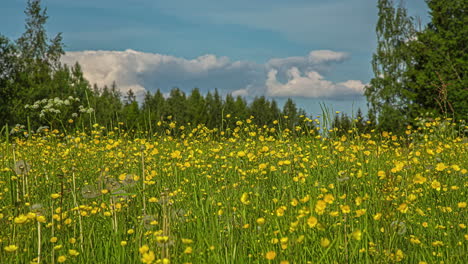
(243, 47)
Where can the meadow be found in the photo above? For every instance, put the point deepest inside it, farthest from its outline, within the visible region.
(240, 194)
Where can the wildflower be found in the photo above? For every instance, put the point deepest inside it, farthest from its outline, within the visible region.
(312, 221)
(357, 234)
(320, 207)
(324, 242)
(329, 198)
(436, 185)
(461, 205)
(261, 221)
(245, 199)
(187, 241)
(270, 255)
(123, 243)
(21, 219)
(440, 167)
(148, 257)
(61, 259)
(10, 248)
(377, 216)
(399, 255)
(403, 208)
(143, 249)
(188, 250)
(418, 179)
(73, 252)
(345, 209)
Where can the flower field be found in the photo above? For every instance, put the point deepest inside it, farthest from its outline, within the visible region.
(244, 195)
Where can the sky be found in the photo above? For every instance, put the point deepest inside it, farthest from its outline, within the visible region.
(316, 52)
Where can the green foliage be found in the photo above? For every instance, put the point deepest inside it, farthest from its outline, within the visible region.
(438, 72)
(386, 92)
(419, 72)
(31, 70)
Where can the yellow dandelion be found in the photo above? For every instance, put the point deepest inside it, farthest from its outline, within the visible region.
(148, 257)
(270, 255)
(245, 199)
(10, 248)
(324, 242)
(188, 250)
(436, 185)
(345, 209)
(357, 234)
(61, 259)
(312, 221)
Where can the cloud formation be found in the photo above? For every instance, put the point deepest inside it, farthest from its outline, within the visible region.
(279, 77)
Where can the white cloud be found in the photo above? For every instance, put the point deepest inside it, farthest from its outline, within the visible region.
(311, 84)
(280, 77)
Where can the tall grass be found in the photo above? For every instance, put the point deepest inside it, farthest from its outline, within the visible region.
(244, 194)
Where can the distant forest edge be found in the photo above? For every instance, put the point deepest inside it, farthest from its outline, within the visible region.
(417, 73)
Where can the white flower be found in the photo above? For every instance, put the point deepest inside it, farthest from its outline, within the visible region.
(74, 115)
(26, 106)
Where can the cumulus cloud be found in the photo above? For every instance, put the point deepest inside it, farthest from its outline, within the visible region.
(279, 77)
(311, 84)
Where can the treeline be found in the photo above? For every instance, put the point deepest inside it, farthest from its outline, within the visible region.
(212, 109)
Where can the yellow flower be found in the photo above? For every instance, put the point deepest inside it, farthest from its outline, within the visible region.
(324, 242)
(377, 216)
(153, 200)
(360, 212)
(320, 207)
(436, 185)
(188, 250)
(148, 257)
(123, 243)
(270, 255)
(381, 175)
(312, 221)
(10, 248)
(176, 154)
(399, 255)
(345, 209)
(143, 249)
(41, 219)
(55, 196)
(461, 205)
(357, 234)
(245, 199)
(280, 211)
(21, 219)
(440, 167)
(261, 221)
(187, 241)
(418, 179)
(73, 252)
(403, 208)
(329, 198)
(61, 259)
